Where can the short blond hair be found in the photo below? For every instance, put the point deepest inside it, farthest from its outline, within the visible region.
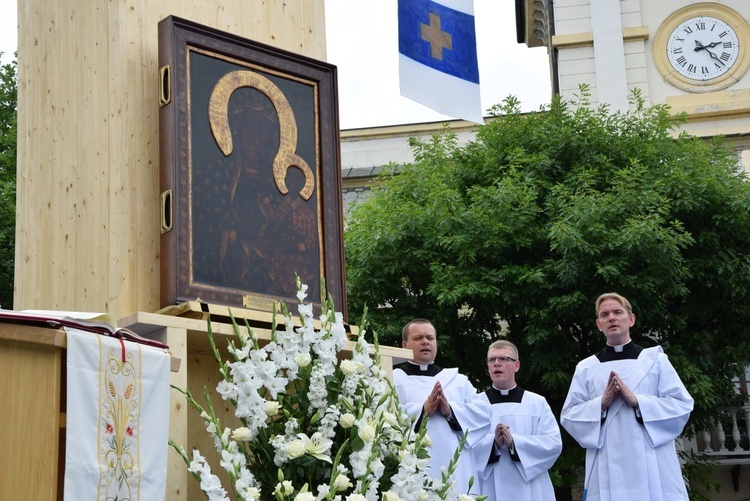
(617, 297)
(503, 344)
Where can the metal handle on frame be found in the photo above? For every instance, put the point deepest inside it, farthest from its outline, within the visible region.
(166, 211)
(165, 86)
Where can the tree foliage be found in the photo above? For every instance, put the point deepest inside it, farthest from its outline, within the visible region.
(8, 132)
(516, 233)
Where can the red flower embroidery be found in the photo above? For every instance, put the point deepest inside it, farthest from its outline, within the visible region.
(129, 431)
(109, 428)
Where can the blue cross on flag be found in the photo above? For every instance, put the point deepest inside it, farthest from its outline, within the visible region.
(438, 56)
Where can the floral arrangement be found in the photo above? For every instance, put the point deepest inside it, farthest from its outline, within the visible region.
(315, 426)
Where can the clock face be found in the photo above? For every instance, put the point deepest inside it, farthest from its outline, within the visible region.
(702, 48)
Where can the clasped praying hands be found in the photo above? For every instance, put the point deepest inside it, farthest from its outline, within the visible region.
(617, 387)
(503, 436)
(437, 401)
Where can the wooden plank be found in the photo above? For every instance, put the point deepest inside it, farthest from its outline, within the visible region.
(178, 479)
(222, 314)
(30, 434)
(32, 334)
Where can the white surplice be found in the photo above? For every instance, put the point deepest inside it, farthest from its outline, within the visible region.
(628, 460)
(470, 410)
(537, 444)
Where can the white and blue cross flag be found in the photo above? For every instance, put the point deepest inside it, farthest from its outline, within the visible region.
(438, 56)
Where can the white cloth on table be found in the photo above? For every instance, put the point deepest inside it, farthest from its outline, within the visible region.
(117, 421)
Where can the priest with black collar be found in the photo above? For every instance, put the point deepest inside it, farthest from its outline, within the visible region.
(448, 400)
(524, 440)
(626, 406)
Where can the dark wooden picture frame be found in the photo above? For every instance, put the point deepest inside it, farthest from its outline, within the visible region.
(250, 172)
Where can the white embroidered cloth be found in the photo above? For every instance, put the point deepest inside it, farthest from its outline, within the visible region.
(117, 421)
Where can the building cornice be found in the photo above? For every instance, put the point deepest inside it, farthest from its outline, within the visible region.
(639, 33)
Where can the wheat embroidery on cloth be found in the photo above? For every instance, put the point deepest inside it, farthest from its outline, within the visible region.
(117, 419)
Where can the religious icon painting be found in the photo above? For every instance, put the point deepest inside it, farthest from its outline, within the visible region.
(250, 172)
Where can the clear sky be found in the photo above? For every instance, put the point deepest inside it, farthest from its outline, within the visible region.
(362, 42)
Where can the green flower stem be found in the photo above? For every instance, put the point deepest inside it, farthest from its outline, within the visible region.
(184, 457)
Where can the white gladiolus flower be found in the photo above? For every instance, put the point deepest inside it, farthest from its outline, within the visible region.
(307, 415)
(306, 310)
(302, 292)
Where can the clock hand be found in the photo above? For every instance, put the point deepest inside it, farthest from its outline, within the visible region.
(699, 46)
(713, 56)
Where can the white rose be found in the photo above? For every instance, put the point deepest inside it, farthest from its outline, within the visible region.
(347, 420)
(367, 433)
(252, 493)
(295, 449)
(272, 408)
(304, 496)
(390, 419)
(241, 434)
(349, 367)
(284, 488)
(303, 359)
(341, 483)
(391, 496)
(427, 441)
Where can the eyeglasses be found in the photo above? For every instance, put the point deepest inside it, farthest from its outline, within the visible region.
(502, 360)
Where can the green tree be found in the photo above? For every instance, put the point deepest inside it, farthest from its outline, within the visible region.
(516, 233)
(8, 133)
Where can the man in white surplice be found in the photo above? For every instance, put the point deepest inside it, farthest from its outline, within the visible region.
(524, 439)
(626, 406)
(447, 397)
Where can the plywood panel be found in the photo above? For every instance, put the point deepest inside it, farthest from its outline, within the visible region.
(88, 200)
(178, 478)
(30, 375)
